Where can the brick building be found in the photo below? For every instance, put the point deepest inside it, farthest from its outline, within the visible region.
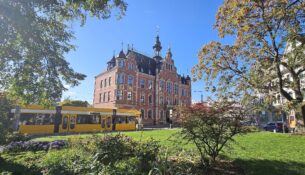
(151, 85)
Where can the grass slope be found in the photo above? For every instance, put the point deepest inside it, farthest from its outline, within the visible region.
(259, 153)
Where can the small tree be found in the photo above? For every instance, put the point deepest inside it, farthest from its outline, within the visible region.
(211, 128)
(77, 103)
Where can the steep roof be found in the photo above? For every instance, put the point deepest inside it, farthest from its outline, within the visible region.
(145, 64)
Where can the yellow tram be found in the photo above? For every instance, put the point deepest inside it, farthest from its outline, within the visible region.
(35, 119)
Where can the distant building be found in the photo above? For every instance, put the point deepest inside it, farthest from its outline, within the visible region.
(275, 113)
(136, 81)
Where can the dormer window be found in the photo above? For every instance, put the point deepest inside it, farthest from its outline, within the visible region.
(130, 66)
(121, 63)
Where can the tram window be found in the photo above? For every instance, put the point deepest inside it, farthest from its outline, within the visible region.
(121, 119)
(103, 123)
(27, 119)
(88, 119)
(108, 122)
(37, 119)
(97, 119)
(65, 122)
(131, 119)
(48, 119)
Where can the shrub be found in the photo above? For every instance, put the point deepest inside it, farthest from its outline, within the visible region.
(66, 161)
(211, 128)
(111, 149)
(123, 155)
(14, 137)
(146, 152)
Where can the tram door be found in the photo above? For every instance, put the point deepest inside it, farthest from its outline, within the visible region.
(106, 123)
(68, 123)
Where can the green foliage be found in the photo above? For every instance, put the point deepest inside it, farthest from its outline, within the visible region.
(122, 154)
(77, 103)
(5, 118)
(34, 37)
(15, 136)
(210, 129)
(68, 161)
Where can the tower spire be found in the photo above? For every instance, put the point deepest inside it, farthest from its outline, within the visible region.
(169, 53)
(157, 47)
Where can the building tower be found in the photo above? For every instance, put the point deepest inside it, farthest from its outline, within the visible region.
(157, 47)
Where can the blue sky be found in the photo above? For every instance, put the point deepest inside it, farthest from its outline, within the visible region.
(185, 26)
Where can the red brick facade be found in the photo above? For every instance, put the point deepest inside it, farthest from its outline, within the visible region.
(136, 81)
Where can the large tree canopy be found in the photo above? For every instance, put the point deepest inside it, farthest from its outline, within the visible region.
(34, 37)
(268, 55)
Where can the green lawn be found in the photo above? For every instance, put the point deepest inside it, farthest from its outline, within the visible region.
(259, 153)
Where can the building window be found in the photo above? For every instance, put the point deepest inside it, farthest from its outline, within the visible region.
(176, 89)
(119, 94)
(121, 63)
(150, 84)
(100, 100)
(104, 97)
(130, 66)
(168, 102)
(142, 83)
(130, 80)
(175, 101)
(109, 95)
(109, 81)
(142, 113)
(169, 87)
(149, 113)
(161, 115)
(142, 99)
(101, 85)
(150, 99)
(161, 85)
(129, 95)
(161, 100)
(182, 92)
(105, 82)
(120, 79)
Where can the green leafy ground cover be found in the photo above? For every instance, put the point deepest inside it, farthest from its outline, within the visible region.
(255, 153)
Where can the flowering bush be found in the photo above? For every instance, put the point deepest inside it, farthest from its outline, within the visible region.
(34, 146)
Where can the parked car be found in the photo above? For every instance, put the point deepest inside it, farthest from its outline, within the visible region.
(277, 126)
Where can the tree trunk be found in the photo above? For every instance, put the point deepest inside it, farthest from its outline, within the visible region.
(303, 114)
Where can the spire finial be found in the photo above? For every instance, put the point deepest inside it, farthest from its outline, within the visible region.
(169, 53)
(158, 30)
(122, 45)
(157, 47)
